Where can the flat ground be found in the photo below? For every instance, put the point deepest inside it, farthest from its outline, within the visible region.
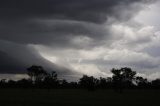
(77, 97)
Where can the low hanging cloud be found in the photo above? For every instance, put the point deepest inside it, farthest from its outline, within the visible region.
(77, 36)
(49, 21)
(17, 58)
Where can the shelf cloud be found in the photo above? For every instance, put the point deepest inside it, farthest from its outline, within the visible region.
(76, 37)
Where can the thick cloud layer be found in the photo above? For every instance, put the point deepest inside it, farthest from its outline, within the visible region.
(16, 58)
(49, 21)
(92, 11)
(79, 35)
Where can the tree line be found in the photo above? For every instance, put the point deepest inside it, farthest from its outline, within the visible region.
(123, 78)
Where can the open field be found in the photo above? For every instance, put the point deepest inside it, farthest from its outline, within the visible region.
(77, 97)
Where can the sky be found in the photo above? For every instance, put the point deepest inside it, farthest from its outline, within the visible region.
(76, 37)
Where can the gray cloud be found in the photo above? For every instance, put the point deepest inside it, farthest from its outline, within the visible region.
(59, 24)
(95, 10)
(16, 58)
(70, 18)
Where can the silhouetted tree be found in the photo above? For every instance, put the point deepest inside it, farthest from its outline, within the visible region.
(156, 83)
(88, 82)
(64, 83)
(51, 80)
(105, 82)
(36, 73)
(24, 83)
(142, 82)
(123, 78)
(11, 84)
(3, 83)
(73, 85)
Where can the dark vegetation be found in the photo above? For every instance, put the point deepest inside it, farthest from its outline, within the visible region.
(123, 78)
(42, 88)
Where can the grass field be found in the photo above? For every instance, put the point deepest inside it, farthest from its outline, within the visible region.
(77, 97)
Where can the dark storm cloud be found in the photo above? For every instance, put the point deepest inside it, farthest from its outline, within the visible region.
(8, 64)
(47, 32)
(18, 19)
(16, 58)
(56, 22)
(94, 10)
